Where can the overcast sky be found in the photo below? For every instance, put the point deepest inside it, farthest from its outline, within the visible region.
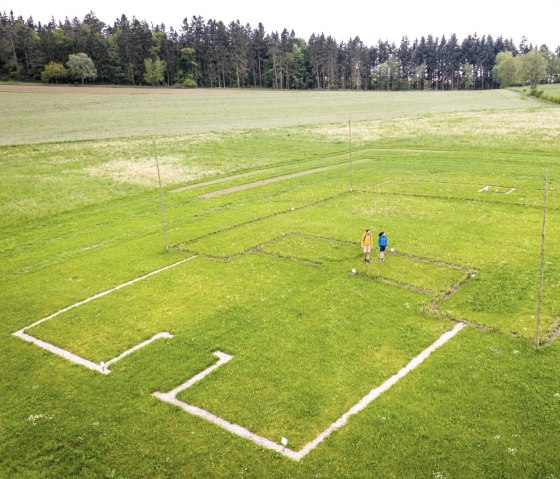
(538, 20)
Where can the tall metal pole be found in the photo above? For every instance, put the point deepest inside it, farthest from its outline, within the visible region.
(537, 334)
(161, 199)
(350, 147)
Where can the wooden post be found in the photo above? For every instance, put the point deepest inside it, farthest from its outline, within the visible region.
(350, 147)
(537, 333)
(161, 199)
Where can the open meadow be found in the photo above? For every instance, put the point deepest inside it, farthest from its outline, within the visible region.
(261, 345)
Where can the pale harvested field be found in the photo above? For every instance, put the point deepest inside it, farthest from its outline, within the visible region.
(143, 171)
(538, 127)
(99, 90)
(39, 114)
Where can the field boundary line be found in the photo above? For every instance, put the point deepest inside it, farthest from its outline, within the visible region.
(211, 182)
(179, 246)
(101, 367)
(258, 249)
(552, 332)
(104, 293)
(465, 199)
(244, 174)
(437, 262)
(393, 282)
(170, 397)
(223, 179)
(461, 183)
(510, 189)
(422, 259)
(274, 179)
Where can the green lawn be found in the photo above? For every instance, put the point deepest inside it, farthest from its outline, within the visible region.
(454, 181)
(549, 92)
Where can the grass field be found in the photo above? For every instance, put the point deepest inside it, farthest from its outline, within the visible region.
(66, 114)
(549, 92)
(258, 202)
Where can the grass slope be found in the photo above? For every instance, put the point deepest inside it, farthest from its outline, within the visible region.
(272, 286)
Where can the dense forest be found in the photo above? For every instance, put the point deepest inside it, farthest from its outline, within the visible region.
(214, 54)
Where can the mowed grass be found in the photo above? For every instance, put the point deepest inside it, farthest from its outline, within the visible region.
(272, 286)
(66, 114)
(292, 328)
(414, 273)
(552, 91)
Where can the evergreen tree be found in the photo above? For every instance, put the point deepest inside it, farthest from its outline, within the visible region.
(316, 48)
(56, 46)
(258, 55)
(218, 55)
(405, 64)
(239, 52)
(113, 69)
(273, 66)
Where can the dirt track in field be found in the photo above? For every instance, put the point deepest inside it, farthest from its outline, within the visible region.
(267, 181)
(209, 182)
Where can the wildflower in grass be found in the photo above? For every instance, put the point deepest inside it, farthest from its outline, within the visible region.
(35, 417)
(511, 451)
(497, 437)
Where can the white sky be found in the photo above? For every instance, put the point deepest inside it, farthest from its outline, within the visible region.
(538, 20)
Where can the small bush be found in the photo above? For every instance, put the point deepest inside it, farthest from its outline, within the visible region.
(187, 81)
(536, 93)
(553, 99)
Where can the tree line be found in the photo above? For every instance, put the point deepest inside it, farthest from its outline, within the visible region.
(214, 54)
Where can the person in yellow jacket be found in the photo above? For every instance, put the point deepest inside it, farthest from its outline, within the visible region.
(367, 242)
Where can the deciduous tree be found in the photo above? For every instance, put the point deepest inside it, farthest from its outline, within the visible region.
(154, 71)
(505, 70)
(81, 66)
(532, 68)
(468, 76)
(54, 71)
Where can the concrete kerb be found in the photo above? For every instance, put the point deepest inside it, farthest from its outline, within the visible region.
(69, 356)
(223, 358)
(170, 397)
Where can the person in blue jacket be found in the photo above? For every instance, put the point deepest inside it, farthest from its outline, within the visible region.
(382, 243)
